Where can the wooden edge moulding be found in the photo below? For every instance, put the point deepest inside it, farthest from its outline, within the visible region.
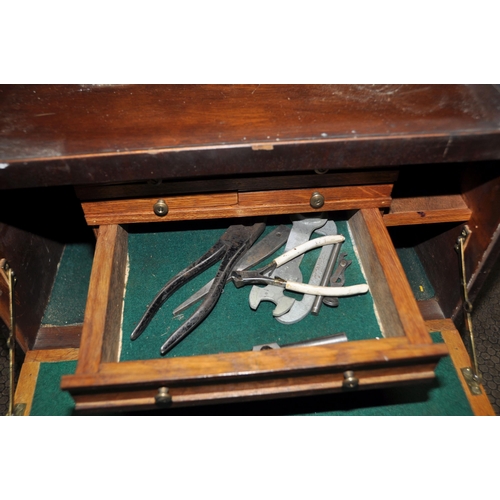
(404, 353)
(235, 204)
(26, 387)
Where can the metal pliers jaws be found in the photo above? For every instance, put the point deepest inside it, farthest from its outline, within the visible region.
(230, 247)
(260, 276)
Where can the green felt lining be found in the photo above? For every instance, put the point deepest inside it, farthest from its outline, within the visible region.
(232, 326)
(69, 293)
(414, 270)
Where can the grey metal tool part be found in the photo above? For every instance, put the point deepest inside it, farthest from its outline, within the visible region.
(327, 340)
(302, 228)
(256, 254)
(318, 300)
(337, 279)
(301, 308)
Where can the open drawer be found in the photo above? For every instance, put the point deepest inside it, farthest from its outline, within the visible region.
(397, 350)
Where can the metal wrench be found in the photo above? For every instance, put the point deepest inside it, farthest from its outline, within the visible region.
(337, 279)
(303, 227)
(301, 308)
(255, 255)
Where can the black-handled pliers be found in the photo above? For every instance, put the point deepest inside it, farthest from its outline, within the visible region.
(230, 247)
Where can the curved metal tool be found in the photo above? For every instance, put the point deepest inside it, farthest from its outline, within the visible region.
(301, 308)
(302, 228)
(262, 276)
(255, 255)
(230, 247)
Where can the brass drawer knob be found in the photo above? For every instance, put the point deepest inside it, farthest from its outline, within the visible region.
(163, 397)
(350, 381)
(160, 208)
(317, 200)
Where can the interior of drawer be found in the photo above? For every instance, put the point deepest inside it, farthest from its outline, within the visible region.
(157, 253)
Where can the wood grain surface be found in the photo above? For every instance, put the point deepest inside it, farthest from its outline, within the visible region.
(88, 134)
(393, 296)
(244, 204)
(102, 319)
(427, 210)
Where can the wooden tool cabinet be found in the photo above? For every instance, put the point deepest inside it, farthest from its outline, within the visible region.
(405, 165)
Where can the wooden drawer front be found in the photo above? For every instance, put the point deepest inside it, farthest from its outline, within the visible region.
(403, 353)
(236, 204)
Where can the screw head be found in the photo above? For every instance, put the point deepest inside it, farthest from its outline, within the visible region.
(160, 208)
(317, 200)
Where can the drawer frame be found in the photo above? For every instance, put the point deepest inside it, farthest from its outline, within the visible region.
(405, 354)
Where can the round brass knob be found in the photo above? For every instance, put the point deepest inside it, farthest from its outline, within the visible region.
(163, 397)
(160, 208)
(317, 200)
(350, 381)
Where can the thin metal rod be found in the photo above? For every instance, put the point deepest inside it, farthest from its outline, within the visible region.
(468, 308)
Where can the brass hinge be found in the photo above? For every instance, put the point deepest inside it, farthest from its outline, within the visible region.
(8, 275)
(471, 373)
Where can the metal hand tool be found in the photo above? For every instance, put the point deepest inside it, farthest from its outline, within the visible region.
(255, 255)
(326, 276)
(329, 339)
(337, 279)
(230, 247)
(262, 276)
(302, 228)
(301, 308)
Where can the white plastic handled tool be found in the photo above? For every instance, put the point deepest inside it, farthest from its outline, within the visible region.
(241, 278)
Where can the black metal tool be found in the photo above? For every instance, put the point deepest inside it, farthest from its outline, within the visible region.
(230, 247)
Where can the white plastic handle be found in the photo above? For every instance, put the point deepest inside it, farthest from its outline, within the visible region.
(308, 245)
(326, 291)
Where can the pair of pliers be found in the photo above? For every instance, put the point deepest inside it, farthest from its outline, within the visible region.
(261, 276)
(230, 247)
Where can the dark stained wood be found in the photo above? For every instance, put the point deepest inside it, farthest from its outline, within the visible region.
(263, 182)
(84, 134)
(430, 309)
(34, 259)
(58, 337)
(244, 204)
(427, 210)
(101, 325)
(440, 261)
(481, 189)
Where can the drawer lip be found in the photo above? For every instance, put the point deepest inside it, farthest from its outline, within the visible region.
(407, 341)
(362, 354)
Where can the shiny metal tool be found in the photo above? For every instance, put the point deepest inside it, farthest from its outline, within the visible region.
(301, 308)
(337, 279)
(230, 247)
(263, 276)
(302, 228)
(255, 255)
(327, 340)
